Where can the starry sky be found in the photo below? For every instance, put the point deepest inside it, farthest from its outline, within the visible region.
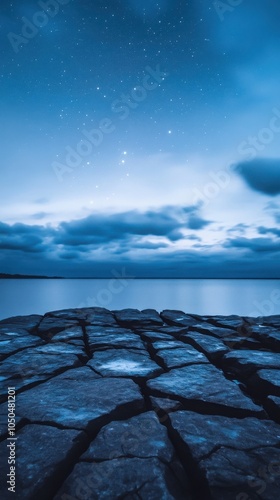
(140, 135)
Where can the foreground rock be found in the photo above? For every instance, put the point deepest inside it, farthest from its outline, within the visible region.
(139, 405)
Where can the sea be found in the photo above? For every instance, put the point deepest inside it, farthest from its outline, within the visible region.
(195, 296)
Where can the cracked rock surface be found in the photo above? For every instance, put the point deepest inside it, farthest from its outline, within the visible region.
(141, 405)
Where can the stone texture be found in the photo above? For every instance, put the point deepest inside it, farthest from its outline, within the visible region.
(124, 363)
(206, 387)
(244, 363)
(43, 455)
(79, 399)
(213, 348)
(229, 455)
(186, 355)
(135, 404)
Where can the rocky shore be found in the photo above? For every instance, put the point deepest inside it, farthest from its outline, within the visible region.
(140, 405)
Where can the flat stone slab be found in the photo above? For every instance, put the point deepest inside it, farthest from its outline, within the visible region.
(207, 387)
(140, 437)
(245, 362)
(180, 357)
(133, 318)
(112, 337)
(212, 347)
(230, 454)
(31, 365)
(43, 455)
(124, 363)
(130, 478)
(135, 404)
(265, 382)
(78, 399)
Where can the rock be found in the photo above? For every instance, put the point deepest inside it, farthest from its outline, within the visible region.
(177, 318)
(133, 318)
(79, 399)
(124, 363)
(234, 322)
(48, 327)
(204, 388)
(128, 405)
(98, 316)
(213, 348)
(168, 344)
(129, 478)
(163, 406)
(10, 343)
(180, 357)
(112, 337)
(228, 454)
(272, 406)
(43, 455)
(139, 437)
(156, 337)
(31, 365)
(28, 323)
(265, 382)
(268, 336)
(213, 330)
(244, 363)
(75, 333)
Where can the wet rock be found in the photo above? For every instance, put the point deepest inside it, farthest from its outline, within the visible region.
(43, 456)
(133, 318)
(48, 327)
(28, 323)
(31, 365)
(233, 321)
(130, 478)
(79, 399)
(99, 316)
(168, 344)
(156, 336)
(242, 343)
(265, 382)
(272, 406)
(12, 342)
(177, 318)
(140, 437)
(62, 348)
(244, 363)
(228, 453)
(268, 336)
(204, 388)
(180, 357)
(213, 330)
(213, 348)
(124, 363)
(112, 337)
(75, 333)
(166, 405)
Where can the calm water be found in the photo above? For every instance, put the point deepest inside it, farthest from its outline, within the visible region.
(243, 297)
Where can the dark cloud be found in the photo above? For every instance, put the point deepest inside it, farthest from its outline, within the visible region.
(257, 245)
(262, 175)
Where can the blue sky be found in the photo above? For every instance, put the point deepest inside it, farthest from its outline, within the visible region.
(140, 134)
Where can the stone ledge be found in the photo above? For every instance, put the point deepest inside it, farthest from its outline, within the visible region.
(136, 404)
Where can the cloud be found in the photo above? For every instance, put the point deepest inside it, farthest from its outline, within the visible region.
(256, 245)
(262, 175)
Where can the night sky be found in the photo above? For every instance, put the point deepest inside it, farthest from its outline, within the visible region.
(140, 135)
